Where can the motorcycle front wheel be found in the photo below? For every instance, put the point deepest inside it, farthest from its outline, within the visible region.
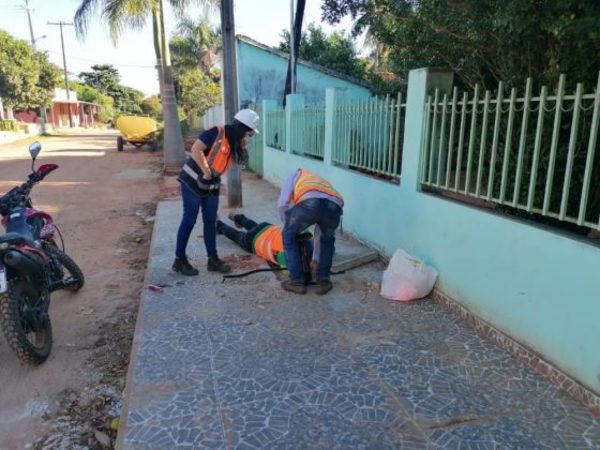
(25, 321)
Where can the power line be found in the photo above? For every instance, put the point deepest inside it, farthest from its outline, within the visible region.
(101, 62)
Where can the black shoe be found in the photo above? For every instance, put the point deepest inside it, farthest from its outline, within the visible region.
(293, 286)
(323, 287)
(183, 266)
(217, 265)
(236, 219)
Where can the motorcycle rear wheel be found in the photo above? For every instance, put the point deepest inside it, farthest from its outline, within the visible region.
(25, 321)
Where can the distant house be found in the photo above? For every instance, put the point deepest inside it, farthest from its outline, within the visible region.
(82, 113)
(262, 71)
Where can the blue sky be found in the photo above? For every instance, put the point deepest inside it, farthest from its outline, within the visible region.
(133, 56)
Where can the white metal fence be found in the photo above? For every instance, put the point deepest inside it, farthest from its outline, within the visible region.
(535, 154)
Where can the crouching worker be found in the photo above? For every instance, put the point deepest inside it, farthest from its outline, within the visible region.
(307, 199)
(265, 240)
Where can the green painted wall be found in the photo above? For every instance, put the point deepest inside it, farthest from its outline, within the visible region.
(538, 286)
(261, 76)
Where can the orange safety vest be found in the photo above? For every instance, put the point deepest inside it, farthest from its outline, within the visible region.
(308, 181)
(268, 245)
(219, 157)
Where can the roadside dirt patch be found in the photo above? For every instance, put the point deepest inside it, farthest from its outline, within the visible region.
(89, 418)
(104, 202)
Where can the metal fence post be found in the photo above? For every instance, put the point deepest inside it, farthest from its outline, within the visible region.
(421, 83)
(293, 102)
(331, 94)
(265, 128)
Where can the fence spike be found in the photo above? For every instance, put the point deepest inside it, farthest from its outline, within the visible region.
(522, 140)
(499, 100)
(564, 203)
(484, 125)
(536, 149)
(461, 140)
(451, 137)
(554, 145)
(473, 129)
(589, 162)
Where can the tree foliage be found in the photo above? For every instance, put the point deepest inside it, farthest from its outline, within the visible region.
(85, 92)
(336, 51)
(198, 92)
(483, 41)
(194, 52)
(106, 80)
(49, 78)
(27, 78)
(90, 94)
(196, 44)
(152, 107)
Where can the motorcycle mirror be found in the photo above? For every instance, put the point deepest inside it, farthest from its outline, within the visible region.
(34, 149)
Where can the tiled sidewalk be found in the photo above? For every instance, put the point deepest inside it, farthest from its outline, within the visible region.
(243, 364)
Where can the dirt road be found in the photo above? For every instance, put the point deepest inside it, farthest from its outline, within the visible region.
(103, 202)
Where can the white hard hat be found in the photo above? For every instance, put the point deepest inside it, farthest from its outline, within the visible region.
(249, 118)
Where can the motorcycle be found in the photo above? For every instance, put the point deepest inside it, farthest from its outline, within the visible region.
(32, 266)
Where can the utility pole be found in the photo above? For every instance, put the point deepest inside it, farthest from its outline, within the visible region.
(28, 9)
(292, 56)
(42, 109)
(291, 78)
(230, 94)
(62, 42)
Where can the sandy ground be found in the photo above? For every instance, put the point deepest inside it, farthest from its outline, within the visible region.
(103, 202)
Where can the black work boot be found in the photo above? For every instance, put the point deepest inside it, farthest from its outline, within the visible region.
(236, 219)
(323, 286)
(217, 265)
(293, 286)
(183, 266)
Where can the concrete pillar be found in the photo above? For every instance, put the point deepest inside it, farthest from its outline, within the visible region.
(331, 96)
(292, 101)
(267, 105)
(421, 83)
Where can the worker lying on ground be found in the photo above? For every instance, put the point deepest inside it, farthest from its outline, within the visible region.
(265, 240)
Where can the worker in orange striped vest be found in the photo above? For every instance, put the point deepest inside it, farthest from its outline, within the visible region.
(213, 153)
(264, 239)
(307, 199)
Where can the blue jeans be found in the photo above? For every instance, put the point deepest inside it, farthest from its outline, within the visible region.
(321, 212)
(191, 206)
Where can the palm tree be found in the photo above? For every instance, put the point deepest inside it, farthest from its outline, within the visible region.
(203, 41)
(121, 14)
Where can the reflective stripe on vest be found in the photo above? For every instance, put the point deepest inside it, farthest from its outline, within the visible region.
(308, 181)
(268, 243)
(205, 186)
(219, 157)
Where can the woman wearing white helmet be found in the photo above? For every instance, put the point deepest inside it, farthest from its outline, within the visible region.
(212, 154)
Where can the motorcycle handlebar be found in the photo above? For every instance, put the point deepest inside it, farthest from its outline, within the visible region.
(19, 194)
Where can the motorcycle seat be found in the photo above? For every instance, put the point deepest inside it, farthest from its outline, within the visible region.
(15, 238)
